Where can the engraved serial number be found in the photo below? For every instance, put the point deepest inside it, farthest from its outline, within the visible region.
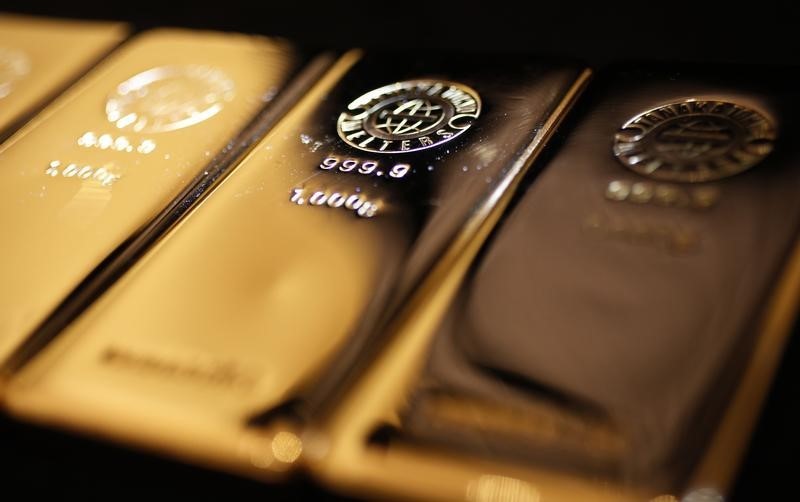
(361, 166)
(357, 203)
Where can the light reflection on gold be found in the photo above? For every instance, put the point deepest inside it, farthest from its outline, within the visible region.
(38, 57)
(82, 210)
(194, 358)
(287, 447)
(493, 488)
(258, 451)
(73, 187)
(14, 66)
(410, 470)
(664, 498)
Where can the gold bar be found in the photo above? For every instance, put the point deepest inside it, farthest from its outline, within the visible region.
(100, 162)
(616, 339)
(40, 57)
(259, 305)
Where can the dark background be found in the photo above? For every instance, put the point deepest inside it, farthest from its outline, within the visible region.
(758, 32)
(41, 462)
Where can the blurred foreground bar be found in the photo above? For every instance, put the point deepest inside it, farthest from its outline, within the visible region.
(40, 57)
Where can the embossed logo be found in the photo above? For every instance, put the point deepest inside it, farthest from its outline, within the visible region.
(409, 116)
(14, 65)
(694, 141)
(167, 98)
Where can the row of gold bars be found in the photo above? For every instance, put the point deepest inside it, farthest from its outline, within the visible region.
(235, 252)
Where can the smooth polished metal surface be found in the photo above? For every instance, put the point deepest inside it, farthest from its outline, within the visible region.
(40, 57)
(98, 164)
(268, 294)
(608, 326)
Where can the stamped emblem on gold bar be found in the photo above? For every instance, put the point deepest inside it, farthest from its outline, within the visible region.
(409, 116)
(169, 98)
(694, 140)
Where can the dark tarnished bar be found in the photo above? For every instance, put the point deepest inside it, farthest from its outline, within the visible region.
(616, 326)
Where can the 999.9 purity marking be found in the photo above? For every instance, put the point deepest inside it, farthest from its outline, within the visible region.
(107, 141)
(363, 167)
(409, 116)
(107, 174)
(335, 199)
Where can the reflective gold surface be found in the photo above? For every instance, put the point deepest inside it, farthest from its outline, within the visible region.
(39, 57)
(285, 322)
(99, 162)
(404, 470)
(746, 226)
(257, 298)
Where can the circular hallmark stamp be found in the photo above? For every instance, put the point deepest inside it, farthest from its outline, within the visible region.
(167, 98)
(409, 116)
(694, 141)
(14, 65)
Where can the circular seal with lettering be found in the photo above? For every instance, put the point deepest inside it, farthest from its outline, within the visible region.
(409, 116)
(14, 65)
(167, 98)
(694, 140)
